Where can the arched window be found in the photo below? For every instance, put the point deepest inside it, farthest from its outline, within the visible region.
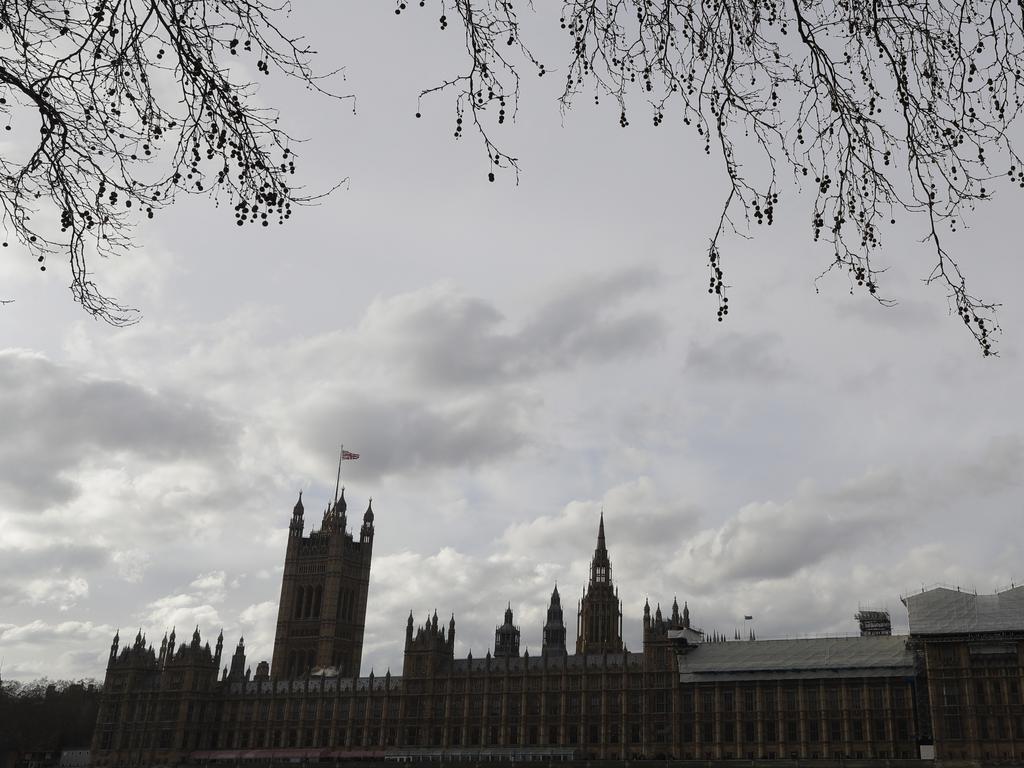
(310, 661)
(299, 597)
(317, 599)
(291, 664)
(308, 611)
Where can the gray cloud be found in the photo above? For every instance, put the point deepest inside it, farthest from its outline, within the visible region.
(771, 540)
(56, 419)
(448, 339)
(739, 358)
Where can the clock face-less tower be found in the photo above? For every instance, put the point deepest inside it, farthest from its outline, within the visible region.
(599, 619)
(322, 613)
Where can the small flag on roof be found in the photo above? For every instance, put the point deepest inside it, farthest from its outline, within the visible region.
(348, 455)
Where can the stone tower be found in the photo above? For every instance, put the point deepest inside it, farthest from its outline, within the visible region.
(554, 628)
(322, 612)
(506, 638)
(599, 619)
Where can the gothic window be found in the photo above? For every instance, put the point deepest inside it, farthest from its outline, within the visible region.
(574, 703)
(600, 573)
(707, 702)
(791, 700)
(876, 698)
(811, 698)
(553, 704)
(835, 731)
(317, 599)
(748, 700)
(299, 598)
(749, 732)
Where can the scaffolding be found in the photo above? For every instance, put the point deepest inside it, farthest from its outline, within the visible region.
(874, 623)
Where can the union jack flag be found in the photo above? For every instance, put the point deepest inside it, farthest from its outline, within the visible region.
(348, 455)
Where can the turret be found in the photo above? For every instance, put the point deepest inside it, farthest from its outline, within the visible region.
(451, 633)
(686, 615)
(554, 628)
(506, 637)
(113, 645)
(297, 524)
(599, 617)
(366, 534)
(647, 614)
(408, 630)
(675, 612)
(220, 648)
(238, 661)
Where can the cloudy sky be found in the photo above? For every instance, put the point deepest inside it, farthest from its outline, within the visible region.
(507, 360)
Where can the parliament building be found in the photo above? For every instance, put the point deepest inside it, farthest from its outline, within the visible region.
(950, 690)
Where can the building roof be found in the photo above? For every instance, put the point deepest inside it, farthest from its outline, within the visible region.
(572, 661)
(810, 658)
(943, 611)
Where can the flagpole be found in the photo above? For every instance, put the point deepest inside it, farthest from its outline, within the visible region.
(337, 485)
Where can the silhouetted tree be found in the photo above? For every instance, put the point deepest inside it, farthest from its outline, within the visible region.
(879, 105)
(113, 107)
(116, 106)
(44, 715)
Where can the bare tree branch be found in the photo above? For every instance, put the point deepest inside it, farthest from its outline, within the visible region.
(888, 105)
(121, 105)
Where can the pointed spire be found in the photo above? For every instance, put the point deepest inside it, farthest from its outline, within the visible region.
(600, 534)
(341, 506)
(298, 509)
(368, 515)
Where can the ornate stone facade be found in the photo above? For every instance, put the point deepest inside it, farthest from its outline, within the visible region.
(322, 612)
(682, 696)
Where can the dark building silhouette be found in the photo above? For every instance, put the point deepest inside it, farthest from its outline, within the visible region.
(554, 628)
(322, 612)
(599, 618)
(953, 685)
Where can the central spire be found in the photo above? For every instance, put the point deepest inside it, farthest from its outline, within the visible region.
(599, 619)
(600, 566)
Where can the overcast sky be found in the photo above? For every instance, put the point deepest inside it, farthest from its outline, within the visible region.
(507, 360)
